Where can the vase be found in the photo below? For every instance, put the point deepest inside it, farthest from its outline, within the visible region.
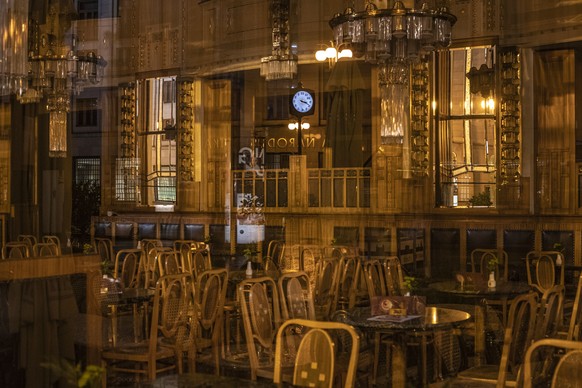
(492, 283)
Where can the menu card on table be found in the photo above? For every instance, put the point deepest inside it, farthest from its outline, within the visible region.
(397, 308)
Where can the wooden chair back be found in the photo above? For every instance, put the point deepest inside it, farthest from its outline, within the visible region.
(290, 258)
(349, 273)
(270, 267)
(45, 249)
(53, 239)
(480, 259)
(375, 278)
(575, 325)
(16, 250)
(259, 303)
(566, 372)
(550, 313)
(543, 271)
(519, 334)
(148, 243)
(187, 249)
(126, 267)
(150, 266)
(326, 279)
(200, 262)
(316, 355)
(210, 297)
(169, 262)
(104, 247)
(275, 251)
(394, 275)
(296, 296)
(28, 239)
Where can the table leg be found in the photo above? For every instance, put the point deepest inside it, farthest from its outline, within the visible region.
(480, 334)
(398, 362)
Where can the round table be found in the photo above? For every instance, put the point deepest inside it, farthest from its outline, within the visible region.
(399, 329)
(478, 294)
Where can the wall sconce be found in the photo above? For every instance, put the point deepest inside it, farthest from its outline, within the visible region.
(331, 54)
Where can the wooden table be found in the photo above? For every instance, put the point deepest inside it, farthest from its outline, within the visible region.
(479, 294)
(434, 319)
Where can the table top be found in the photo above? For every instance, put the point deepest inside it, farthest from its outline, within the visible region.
(203, 380)
(434, 318)
(480, 289)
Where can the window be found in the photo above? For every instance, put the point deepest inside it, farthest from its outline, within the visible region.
(87, 170)
(88, 9)
(87, 112)
(158, 140)
(467, 132)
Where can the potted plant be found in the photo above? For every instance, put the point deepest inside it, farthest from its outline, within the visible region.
(409, 285)
(482, 199)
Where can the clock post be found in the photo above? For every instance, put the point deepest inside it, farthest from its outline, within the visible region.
(301, 104)
(299, 136)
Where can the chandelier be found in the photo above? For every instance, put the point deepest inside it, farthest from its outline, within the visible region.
(56, 70)
(393, 38)
(282, 63)
(13, 46)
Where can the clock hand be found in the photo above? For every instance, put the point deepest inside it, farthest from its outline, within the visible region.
(303, 101)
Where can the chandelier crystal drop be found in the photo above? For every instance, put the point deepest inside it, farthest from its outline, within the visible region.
(397, 33)
(282, 63)
(13, 46)
(394, 39)
(56, 69)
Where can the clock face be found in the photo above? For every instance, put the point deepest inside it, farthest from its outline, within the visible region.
(302, 101)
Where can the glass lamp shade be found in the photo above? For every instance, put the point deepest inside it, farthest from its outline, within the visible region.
(58, 134)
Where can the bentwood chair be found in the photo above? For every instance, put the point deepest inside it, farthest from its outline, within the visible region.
(554, 363)
(549, 319)
(575, 324)
(296, 296)
(348, 284)
(200, 262)
(16, 250)
(545, 269)
(394, 275)
(310, 255)
(126, 267)
(481, 258)
(169, 262)
(259, 303)
(187, 249)
(162, 350)
(53, 239)
(151, 268)
(326, 278)
(210, 296)
(375, 278)
(519, 334)
(315, 361)
(275, 251)
(45, 249)
(104, 247)
(28, 239)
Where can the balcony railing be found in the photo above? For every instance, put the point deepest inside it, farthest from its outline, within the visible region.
(326, 188)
